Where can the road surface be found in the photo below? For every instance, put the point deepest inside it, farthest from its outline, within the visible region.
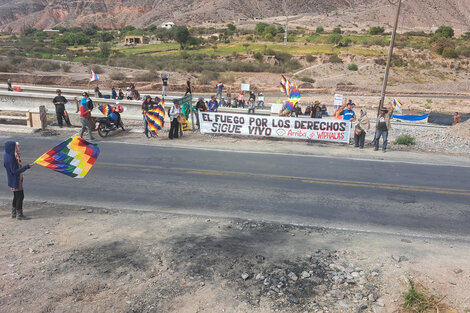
(362, 195)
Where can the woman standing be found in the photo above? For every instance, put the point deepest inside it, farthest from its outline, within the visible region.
(147, 105)
(362, 127)
(175, 111)
(15, 169)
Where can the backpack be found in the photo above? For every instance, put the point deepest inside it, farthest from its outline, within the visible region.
(89, 104)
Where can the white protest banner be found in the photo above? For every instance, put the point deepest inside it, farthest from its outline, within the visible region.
(273, 126)
(338, 100)
(245, 87)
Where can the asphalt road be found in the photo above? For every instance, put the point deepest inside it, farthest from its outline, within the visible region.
(412, 199)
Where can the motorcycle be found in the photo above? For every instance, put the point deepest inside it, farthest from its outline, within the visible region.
(105, 125)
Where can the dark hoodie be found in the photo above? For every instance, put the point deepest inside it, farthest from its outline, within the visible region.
(11, 165)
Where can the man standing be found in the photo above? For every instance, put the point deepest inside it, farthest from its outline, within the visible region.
(59, 102)
(220, 89)
(175, 125)
(383, 127)
(165, 85)
(348, 113)
(200, 107)
(188, 87)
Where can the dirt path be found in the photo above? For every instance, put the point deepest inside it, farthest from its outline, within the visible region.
(76, 259)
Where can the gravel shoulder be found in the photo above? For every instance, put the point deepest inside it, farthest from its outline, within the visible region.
(83, 259)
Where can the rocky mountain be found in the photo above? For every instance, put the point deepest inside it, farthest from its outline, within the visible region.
(16, 15)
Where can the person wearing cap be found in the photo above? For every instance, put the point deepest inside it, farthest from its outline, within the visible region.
(59, 102)
(348, 113)
(10, 87)
(175, 111)
(383, 127)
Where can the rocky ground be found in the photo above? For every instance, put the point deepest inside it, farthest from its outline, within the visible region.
(82, 259)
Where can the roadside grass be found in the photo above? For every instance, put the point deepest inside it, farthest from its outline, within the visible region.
(130, 50)
(419, 301)
(406, 140)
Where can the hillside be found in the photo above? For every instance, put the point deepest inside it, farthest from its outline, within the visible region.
(418, 14)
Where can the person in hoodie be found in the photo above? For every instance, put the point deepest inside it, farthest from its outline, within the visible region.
(85, 116)
(15, 169)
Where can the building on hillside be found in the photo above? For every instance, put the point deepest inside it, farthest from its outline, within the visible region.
(136, 40)
(52, 31)
(168, 25)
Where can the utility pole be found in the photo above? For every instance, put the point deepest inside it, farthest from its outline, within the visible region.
(287, 22)
(390, 53)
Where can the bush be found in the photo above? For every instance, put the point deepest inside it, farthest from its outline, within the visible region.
(207, 77)
(320, 30)
(376, 30)
(310, 58)
(49, 66)
(307, 79)
(445, 31)
(97, 69)
(335, 38)
(66, 67)
(406, 140)
(117, 75)
(441, 43)
(352, 67)
(450, 53)
(335, 59)
(258, 56)
(337, 30)
(463, 51)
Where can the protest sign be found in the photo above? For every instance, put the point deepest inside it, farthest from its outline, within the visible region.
(245, 87)
(338, 100)
(273, 126)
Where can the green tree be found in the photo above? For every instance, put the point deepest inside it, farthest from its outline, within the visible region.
(445, 31)
(335, 38)
(105, 49)
(337, 30)
(231, 27)
(376, 30)
(442, 43)
(92, 30)
(106, 36)
(320, 30)
(181, 35)
(259, 28)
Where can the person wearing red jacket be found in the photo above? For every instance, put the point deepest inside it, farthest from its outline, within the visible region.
(85, 115)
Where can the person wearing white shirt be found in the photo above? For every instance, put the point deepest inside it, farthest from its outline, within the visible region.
(175, 111)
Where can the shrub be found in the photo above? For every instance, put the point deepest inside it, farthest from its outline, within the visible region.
(352, 67)
(406, 140)
(441, 43)
(208, 77)
(380, 61)
(335, 59)
(258, 56)
(146, 76)
(445, 31)
(97, 69)
(463, 51)
(49, 66)
(450, 53)
(320, 30)
(337, 30)
(310, 58)
(66, 67)
(376, 30)
(335, 38)
(344, 43)
(117, 75)
(307, 79)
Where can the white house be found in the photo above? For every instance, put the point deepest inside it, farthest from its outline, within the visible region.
(167, 25)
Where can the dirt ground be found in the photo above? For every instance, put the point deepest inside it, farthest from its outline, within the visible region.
(82, 259)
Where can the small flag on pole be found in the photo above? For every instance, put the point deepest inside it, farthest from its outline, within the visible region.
(397, 106)
(73, 157)
(93, 77)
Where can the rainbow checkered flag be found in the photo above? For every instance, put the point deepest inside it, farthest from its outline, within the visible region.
(74, 157)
